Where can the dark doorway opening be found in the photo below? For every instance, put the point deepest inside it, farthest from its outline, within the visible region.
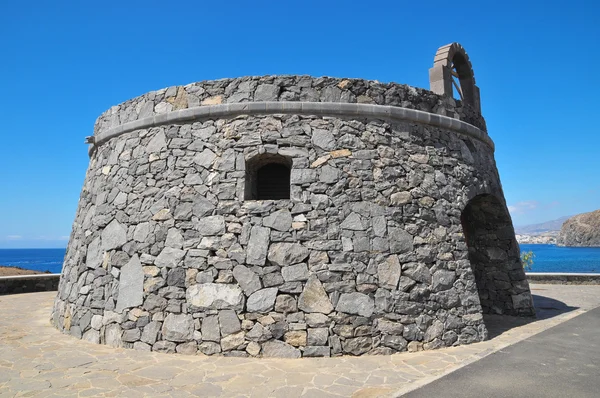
(495, 257)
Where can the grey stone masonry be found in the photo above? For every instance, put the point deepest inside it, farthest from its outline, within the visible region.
(289, 89)
(395, 235)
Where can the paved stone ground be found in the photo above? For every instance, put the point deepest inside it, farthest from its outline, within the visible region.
(37, 361)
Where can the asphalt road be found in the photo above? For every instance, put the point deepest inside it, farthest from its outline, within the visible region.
(563, 361)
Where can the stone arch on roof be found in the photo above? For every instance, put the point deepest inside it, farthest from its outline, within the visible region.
(451, 61)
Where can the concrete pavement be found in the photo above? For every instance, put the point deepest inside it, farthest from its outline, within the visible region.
(37, 361)
(563, 361)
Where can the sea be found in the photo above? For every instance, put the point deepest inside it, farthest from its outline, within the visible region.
(34, 259)
(552, 258)
(548, 258)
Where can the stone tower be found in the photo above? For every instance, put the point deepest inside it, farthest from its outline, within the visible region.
(293, 216)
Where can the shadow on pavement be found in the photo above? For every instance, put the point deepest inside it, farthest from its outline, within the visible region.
(545, 308)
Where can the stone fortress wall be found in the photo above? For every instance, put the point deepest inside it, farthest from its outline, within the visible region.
(394, 234)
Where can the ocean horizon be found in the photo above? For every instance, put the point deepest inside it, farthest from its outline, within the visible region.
(34, 259)
(552, 258)
(548, 258)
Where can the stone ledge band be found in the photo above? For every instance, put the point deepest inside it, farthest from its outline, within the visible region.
(288, 107)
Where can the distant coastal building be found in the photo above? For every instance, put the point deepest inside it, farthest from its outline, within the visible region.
(293, 216)
(542, 239)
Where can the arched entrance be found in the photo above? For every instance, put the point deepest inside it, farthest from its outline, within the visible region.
(495, 258)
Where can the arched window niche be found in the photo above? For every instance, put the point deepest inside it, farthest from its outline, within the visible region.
(452, 73)
(268, 177)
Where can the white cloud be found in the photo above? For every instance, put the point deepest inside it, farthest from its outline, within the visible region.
(523, 207)
(52, 238)
(14, 237)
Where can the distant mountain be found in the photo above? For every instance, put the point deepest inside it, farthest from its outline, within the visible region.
(581, 230)
(538, 229)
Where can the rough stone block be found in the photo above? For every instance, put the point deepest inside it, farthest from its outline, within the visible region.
(131, 285)
(262, 300)
(356, 303)
(215, 296)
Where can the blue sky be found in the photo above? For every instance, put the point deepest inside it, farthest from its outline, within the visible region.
(64, 63)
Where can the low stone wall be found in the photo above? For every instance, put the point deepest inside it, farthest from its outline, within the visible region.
(559, 278)
(29, 283)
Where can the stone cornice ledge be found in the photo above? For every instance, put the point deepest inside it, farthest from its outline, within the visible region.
(384, 112)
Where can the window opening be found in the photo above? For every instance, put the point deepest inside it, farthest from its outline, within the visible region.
(273, 182)
(268, 177)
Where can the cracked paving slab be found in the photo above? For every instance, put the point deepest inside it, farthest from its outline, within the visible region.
(38, 361)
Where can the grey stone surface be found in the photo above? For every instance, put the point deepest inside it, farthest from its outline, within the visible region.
(317, 336)
(131, 285)
(157, 143)
(178, 327)
(314, 298)
(398, 343)
(169, 257)
(357, 345)
(356, 303)
(211, 330)
(249, 281)
(317, 320)
(266, 92)
(323, 139)
(205, 158)
(353, 222)
(176, 277)
(150, 332)
(174, 239)
(258, 245)
(114, 236)
(212, 225)
(209, 348)
(400, 198)
(419, 273)
(215, 296)
(259, 333)
(395, 212)
(95, 254)
(389, 272)
(443, 280)
(279, 349)
(189, 348)
(262, 300)
(112, 335)
(285, 303)
(387, 326)
(400, 240)
(232, 341)
(280, 220)
(298, 272)
(283, 254)
(317, 352)
(229, 322)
